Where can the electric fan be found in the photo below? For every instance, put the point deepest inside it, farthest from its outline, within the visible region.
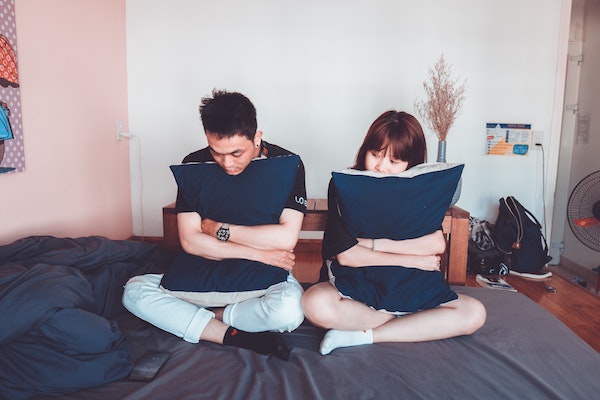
(583, 211)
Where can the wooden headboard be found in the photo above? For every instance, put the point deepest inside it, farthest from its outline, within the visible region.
(455, 228)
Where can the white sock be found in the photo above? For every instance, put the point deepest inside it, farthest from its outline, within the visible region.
(334, 339)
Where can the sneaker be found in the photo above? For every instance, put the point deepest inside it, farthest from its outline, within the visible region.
(542, 274)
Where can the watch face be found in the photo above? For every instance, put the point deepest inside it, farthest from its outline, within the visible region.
(223, 234)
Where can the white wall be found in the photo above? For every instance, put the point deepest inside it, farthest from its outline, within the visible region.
(319, 72)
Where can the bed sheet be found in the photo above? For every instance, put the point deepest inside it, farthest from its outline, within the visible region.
(521, 352)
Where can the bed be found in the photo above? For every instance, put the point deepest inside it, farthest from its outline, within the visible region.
(522, 351)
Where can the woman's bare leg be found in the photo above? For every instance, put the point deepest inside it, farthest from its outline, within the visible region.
(354, 323)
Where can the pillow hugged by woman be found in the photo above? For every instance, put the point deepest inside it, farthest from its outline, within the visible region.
(382, 289)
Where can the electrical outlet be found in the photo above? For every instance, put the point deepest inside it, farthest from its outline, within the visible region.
(120, 134)
(119, 130)
(538, 137)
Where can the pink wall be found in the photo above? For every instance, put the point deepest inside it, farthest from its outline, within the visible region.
(73, 74)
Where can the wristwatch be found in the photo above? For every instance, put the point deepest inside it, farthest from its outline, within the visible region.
(223, 232)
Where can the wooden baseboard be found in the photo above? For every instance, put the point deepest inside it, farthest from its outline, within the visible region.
(149, 239)
(577, 275)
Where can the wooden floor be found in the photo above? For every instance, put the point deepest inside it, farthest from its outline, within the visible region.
(575, 306)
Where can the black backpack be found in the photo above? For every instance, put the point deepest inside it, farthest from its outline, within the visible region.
(518, 235)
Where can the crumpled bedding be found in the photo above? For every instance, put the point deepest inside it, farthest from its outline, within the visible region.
(57, 298)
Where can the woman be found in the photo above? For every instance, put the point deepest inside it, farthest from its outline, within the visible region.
(394, 143)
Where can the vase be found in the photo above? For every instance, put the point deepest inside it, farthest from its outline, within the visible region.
(441, 155)
(441, 158)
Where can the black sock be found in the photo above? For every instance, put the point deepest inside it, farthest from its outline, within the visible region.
(261, 342)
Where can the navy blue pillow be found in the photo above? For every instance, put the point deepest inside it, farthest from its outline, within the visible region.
(391, 288)
(402, 206)
(257, 196)
(254, 197)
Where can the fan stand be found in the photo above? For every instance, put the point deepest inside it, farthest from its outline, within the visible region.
(597, 270)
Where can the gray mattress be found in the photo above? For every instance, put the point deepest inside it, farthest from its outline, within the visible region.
(522, 352)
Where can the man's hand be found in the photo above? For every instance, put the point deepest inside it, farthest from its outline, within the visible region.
(279, 258)
(210, 227)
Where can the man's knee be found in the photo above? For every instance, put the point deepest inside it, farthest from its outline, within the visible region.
(286, 307)
(138, 290)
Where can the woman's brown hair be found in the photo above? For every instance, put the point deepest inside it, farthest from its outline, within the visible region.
(398, 131)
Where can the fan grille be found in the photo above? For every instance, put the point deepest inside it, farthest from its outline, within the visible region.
(581, 204)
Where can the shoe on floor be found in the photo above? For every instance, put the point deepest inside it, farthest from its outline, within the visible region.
(542, 274)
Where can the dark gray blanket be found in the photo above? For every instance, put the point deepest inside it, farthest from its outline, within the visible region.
(56, 298)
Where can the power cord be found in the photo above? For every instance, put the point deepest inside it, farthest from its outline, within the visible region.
(135, 138)
(541, 147)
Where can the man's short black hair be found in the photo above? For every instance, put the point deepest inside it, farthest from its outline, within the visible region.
(228, 114)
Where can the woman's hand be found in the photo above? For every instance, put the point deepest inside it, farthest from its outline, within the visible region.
(427, 263)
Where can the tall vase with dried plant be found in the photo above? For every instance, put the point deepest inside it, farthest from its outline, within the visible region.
(445, 97)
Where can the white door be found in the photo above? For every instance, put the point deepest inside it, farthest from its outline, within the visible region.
(567, 143)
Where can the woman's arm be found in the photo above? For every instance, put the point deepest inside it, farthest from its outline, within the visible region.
(360, 256)
(431, 244)
(350, 252)
(421, 253)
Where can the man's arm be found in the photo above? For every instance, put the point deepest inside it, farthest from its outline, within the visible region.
(196, 242)
(282, 236)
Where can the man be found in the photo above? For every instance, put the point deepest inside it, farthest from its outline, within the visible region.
(230, 126)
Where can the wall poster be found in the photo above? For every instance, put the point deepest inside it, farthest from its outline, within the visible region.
(508, 139)
(12, 154)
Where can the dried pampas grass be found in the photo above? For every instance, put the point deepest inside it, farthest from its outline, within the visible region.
(445, 97)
